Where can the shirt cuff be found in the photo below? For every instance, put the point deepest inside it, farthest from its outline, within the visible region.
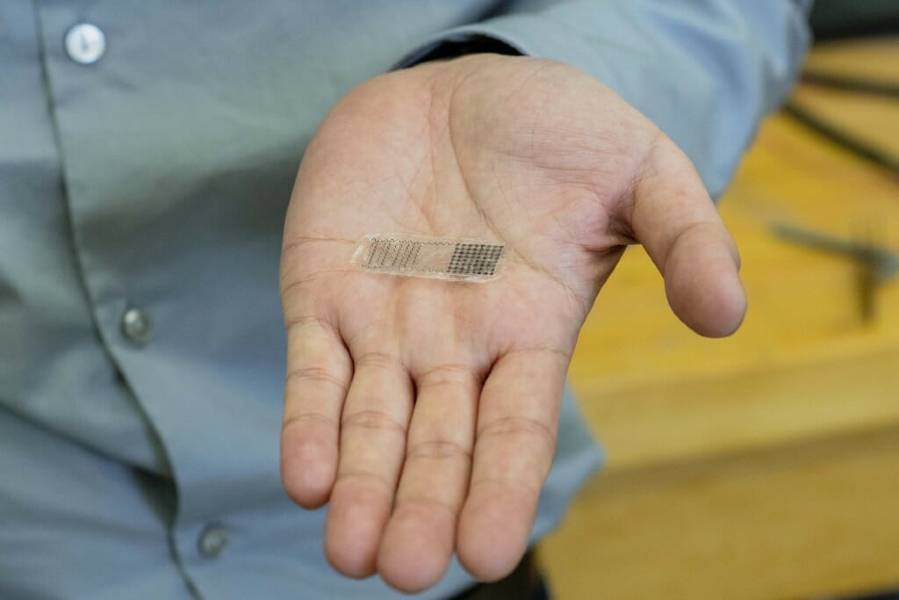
(634, 64)
(458, 45)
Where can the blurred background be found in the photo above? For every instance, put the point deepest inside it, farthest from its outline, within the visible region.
(765, 465)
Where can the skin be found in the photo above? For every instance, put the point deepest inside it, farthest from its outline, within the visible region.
(425, 412)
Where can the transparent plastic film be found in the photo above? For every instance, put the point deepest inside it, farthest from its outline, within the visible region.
(434, 258)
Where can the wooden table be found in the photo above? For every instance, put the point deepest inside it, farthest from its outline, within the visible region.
(765, 465)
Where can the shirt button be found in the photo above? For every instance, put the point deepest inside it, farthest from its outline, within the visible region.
(85, 43)
(213, 541)
(136, 326)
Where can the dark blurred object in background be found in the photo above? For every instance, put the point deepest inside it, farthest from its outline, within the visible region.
(838, 19)
(841, 19)
(852, 18)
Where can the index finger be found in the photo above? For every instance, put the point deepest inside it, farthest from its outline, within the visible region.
(515, 441)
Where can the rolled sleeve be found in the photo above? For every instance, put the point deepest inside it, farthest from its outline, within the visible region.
(705, 72)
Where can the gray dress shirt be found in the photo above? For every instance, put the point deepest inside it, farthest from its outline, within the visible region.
(147, 152)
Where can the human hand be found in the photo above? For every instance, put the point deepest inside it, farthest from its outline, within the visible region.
(425, 411)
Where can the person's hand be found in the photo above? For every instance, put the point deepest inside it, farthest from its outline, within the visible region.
(425, 411)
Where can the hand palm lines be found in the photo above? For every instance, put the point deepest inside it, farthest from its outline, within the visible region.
(451, 351)
(425, 411)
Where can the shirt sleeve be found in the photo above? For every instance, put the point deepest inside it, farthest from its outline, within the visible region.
(704, 71)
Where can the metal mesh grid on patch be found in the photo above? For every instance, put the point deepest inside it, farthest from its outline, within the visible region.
(474, 259)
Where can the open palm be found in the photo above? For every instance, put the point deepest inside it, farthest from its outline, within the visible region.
(425, 411)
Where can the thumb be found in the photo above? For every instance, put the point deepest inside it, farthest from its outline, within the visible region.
(676, 221)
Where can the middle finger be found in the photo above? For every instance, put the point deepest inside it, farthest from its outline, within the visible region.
(420, 536)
